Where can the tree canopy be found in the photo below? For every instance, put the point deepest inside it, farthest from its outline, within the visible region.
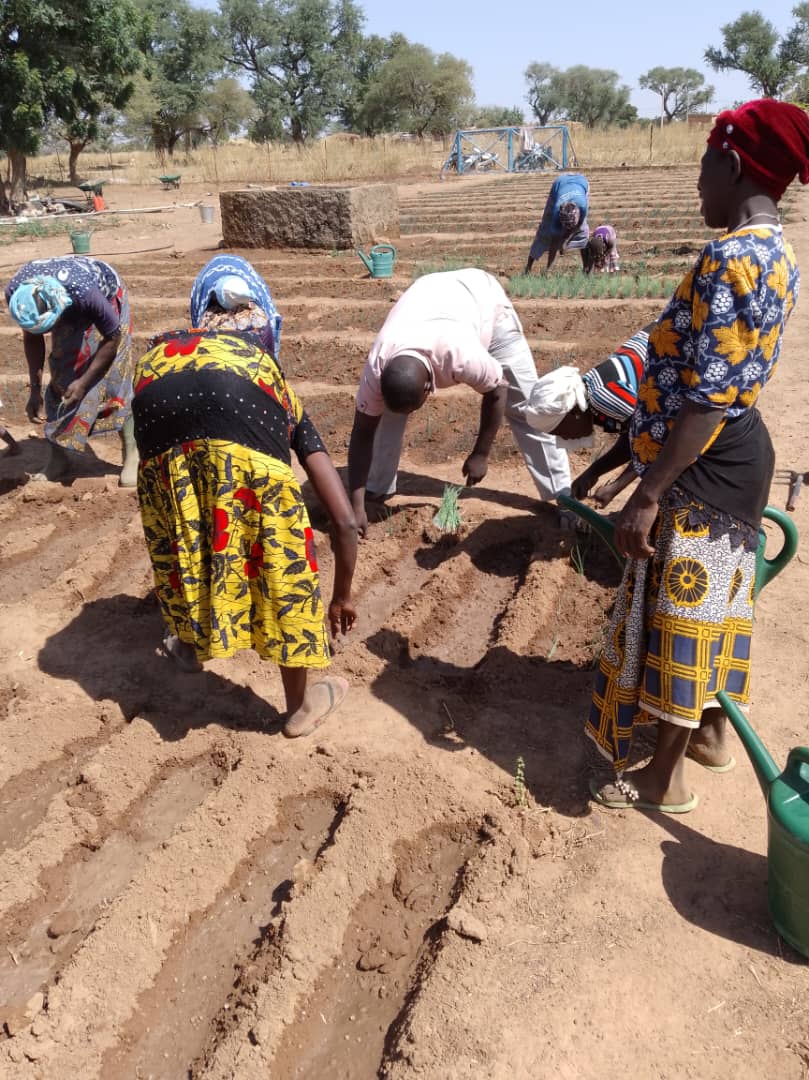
(299, 56)
(68, 59)
(591, 96)
(681, 90)
(418, 91)
(497, 116)
(751, 44)
(182, 62)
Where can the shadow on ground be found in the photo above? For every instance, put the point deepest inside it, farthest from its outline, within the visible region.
(720, 888)
(110, 649)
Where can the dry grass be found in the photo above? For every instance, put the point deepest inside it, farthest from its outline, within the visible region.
(343, 159)
(676, 144)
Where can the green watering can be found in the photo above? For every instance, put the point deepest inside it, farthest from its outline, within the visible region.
(787, 795)
(766, 569)
(381, 261)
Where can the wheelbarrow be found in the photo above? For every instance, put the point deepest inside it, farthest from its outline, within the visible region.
(92, 188)
(170, 181)
(766, 569)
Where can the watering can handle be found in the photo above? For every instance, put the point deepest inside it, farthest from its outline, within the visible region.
(381, 249)
(766, 569)
(798, 755)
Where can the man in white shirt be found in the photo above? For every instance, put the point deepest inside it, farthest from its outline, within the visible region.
(448, 328)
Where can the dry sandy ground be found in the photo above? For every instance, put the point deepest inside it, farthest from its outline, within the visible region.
(181, 889)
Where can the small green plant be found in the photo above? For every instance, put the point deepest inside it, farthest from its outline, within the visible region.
(577, 559)
(520, 787)
(448, 519)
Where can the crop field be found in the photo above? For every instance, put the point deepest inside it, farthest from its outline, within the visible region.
(419, 887)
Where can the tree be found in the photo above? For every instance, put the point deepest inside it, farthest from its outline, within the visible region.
(593, 97)
(101, 62)
(182, 63)
(418, 91)
(497, 116)
(681, 90)
(544, 91)
(373, 52)
(58, 58)
(751, 44)
(300, 56)
(225, 109)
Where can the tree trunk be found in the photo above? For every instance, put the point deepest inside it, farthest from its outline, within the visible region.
(75, 149)
(16, 193)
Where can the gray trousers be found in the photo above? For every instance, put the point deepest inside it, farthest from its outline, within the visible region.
(545, 460)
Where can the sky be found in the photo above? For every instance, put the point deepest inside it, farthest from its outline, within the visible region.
(501, 38)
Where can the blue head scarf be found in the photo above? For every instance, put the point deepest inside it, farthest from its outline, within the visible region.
(25, 310)
(215, 281)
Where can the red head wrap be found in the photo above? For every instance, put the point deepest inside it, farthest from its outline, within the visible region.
(771, 139)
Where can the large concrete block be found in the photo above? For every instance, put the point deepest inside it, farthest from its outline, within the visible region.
(313, 217)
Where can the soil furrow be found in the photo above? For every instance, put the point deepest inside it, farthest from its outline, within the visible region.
(175, 1018)
(343, 1027)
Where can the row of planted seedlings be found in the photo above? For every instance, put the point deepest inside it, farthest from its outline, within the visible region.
(577, 285)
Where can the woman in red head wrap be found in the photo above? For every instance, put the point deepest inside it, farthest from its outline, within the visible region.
(683, 617)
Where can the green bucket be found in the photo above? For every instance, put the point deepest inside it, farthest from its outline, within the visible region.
(80, 242)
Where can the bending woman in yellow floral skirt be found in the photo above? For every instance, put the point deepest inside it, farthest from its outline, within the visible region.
(228, 533)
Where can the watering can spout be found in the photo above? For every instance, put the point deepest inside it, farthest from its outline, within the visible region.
(766, 769)
(369, 265)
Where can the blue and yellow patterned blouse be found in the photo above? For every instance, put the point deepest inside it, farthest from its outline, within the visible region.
(717, 342)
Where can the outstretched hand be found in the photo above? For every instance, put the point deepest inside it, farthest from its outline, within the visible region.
(475, 468)
(580, 488)
(33, 407)
(342, 616)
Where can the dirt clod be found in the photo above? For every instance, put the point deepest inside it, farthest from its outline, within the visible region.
(466, 924)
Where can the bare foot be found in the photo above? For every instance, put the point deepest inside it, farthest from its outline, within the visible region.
(714, 756)
(321, 699)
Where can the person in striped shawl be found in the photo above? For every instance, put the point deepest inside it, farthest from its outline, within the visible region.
(570, 405)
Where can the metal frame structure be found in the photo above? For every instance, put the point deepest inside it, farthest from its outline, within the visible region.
(486, 149)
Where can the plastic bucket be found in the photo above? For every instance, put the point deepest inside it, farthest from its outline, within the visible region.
(80, 242)
(207, 214)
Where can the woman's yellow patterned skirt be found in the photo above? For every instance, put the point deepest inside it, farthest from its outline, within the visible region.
(233, 553)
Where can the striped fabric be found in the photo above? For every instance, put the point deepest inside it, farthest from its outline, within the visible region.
(612, 386)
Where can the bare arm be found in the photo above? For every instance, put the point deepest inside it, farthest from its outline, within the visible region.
(617, 455)
(330, 491)
(360, 454)
(96, 370)
(492, 410)
(34, 349)
(692, 431)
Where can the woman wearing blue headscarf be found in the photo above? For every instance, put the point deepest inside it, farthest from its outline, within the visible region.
(84, 305)
(564, 221)
(228, 289)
